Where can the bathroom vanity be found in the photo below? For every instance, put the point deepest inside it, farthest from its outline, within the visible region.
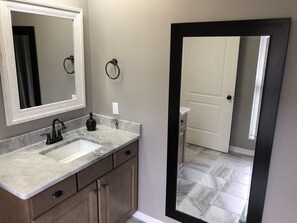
(100, 186)
(183, 117)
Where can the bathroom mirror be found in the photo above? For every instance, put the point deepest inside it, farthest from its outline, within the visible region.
(225, 81)
(42, 64)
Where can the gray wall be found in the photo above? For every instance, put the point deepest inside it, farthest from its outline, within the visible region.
(137, 33)
(244, 92)
(6, 132)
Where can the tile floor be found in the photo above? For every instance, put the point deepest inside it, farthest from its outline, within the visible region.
(213, 186)
(134, 220)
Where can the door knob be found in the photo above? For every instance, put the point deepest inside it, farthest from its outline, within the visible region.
(229, 97)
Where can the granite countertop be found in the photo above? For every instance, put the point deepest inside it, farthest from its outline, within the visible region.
(25, 172)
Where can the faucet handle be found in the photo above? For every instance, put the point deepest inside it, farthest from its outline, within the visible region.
(48, 137)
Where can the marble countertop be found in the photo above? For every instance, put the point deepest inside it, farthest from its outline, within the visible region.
(25, 172)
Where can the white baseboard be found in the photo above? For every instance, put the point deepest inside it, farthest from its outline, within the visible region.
(242, 151)
(146, 218)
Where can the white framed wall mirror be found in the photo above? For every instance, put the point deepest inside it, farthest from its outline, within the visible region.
(42, 63)
(219, 171)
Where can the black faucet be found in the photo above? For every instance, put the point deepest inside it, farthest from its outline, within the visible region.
(56, 135)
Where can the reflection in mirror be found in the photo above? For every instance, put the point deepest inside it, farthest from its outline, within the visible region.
(39, 58)
(222, 81)
(45, 76)
(225, 81)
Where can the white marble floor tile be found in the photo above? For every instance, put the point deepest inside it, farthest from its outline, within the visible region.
(244, 169)
(199, 165)
(183, 188)
(202, 197)
(213, 152)
(134, 220)
(230, 203)
(216, 183)
(187, 206)
(206, 157)
(218, 215)
(190, 174)
(240, 177)
(237, 189)
(191, 151)
(221, 169)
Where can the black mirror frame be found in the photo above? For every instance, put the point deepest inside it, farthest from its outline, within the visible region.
(278, 30)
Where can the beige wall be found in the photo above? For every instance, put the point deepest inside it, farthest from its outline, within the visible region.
(6, 132)
(137, 33)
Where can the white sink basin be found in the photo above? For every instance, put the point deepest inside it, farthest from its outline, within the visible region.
(72, 151)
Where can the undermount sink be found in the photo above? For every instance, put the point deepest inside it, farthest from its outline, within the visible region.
(71, 151)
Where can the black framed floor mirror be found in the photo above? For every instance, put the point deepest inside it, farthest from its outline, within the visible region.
(224, 89)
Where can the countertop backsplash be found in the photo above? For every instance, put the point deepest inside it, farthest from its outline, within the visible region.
(18, 142)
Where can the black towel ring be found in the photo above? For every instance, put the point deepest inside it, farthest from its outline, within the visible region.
(71, 59)
(115, 63)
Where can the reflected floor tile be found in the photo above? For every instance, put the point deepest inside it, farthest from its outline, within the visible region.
(190, 174)
(212, 182)
(221, 169)
(218, 215)
(230, 159)
(186, 206)
(202, 197)
(236, 189)
(191, 151)
(230, 203)
(183, 188)
(199, 165)
(240, 177)
(206, 157)
(212, 152)
(244, 169)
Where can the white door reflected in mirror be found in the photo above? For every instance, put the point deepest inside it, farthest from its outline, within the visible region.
(222, 81)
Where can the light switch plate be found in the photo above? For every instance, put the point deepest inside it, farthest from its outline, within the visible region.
(115, 108)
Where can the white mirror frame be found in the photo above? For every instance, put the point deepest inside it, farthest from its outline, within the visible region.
(13, 113)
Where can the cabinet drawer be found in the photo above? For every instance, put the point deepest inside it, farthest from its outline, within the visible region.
(93, 172)
(53, 196)
(124, 154)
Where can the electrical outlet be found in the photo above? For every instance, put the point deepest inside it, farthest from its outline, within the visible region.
(115, 108)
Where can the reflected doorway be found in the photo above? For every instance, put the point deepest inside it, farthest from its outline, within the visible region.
(214, 174)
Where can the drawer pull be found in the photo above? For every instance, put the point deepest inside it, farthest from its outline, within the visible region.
(128, 152)
(57, 194)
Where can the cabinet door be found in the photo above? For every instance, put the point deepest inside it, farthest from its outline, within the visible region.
(181, 145)
(118, 193)
(81, 207)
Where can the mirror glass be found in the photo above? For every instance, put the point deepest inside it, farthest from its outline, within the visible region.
(221, 90)
(41, 44)
(224, 88)
(42, 63)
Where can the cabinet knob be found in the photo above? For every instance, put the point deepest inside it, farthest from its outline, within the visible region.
(57, 194)
(128, 152)
(229, 97)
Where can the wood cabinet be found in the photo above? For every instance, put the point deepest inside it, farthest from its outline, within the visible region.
(104, 192)
(118, 193)
(82, 207)
(182, 139)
